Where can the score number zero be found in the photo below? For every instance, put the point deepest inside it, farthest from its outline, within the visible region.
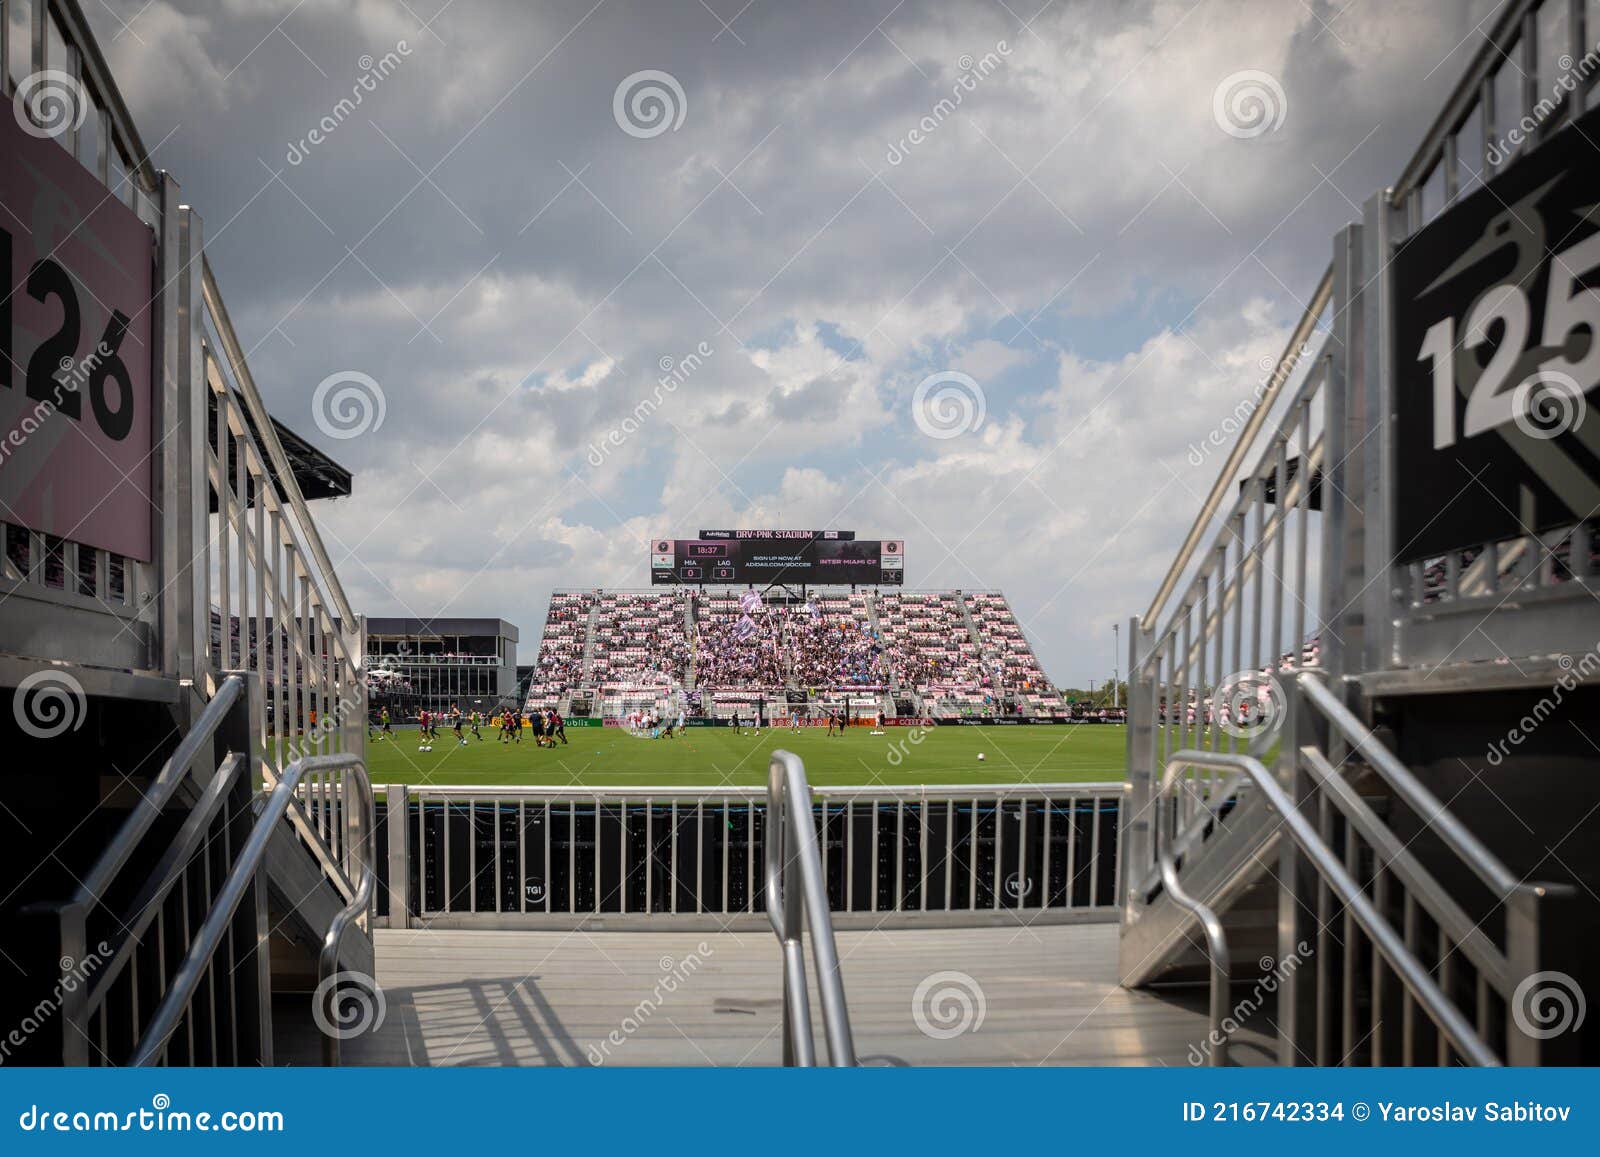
(1566, 309)
(47, 279)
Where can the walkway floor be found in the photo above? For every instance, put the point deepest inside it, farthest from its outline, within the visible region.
(925, 997)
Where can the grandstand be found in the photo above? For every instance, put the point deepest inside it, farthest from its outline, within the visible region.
(877, 654)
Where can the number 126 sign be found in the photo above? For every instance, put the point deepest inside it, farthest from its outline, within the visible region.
(1497, 349)
(75, 351)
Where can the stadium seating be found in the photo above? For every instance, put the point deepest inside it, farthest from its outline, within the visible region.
(639, 639)
(942, 651)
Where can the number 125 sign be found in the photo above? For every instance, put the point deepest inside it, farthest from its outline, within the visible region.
(75, 352)
(1497, 350)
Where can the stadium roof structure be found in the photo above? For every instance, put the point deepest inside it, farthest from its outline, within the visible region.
(316, 474)
(442, 626)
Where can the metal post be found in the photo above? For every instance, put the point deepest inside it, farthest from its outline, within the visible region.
(397, 809)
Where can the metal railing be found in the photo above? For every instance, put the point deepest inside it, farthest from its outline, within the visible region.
(178, 1006)
(142, 924)
(1248, 596)
(162, 946)
(795, 892)
(1400, 966)
(549, 857)
(1260, 407)
(263, 567)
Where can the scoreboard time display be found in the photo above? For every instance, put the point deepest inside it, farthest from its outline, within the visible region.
(762, 557)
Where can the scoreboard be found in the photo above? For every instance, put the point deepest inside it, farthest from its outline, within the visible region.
(761, 557)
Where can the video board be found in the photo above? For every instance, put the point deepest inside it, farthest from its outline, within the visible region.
(834, 558)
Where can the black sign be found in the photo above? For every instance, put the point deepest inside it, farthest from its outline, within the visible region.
(763, 561)
(1497, 354)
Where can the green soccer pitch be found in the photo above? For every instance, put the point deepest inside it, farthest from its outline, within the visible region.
(610, 757)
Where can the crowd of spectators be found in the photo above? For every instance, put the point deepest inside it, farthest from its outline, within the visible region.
(640, 639)
(946, 643)
(828, 642)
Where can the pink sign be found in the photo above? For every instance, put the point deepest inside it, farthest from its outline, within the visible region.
(75, 400)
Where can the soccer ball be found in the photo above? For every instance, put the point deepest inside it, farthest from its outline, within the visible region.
(982, 757)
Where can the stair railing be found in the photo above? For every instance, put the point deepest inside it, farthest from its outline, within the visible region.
(794, 894)
(178, 1005)
(1374, 899)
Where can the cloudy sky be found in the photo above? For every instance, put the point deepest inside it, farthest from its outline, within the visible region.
(513, 249)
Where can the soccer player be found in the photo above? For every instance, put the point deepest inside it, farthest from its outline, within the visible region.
(456, 722)
(476, 734)
(383, 718)
(558, 728)
(422, 731)
(516, 725)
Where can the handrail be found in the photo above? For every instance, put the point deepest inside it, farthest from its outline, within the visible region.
(208, 939)
(152, 802)
(1484, 863)
(1468, 91)
(1412, 972)
(1242, 446)
(360, 902)
(789, 823)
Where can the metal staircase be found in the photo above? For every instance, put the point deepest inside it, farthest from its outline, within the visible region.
(171, 929)
(1314, 812)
